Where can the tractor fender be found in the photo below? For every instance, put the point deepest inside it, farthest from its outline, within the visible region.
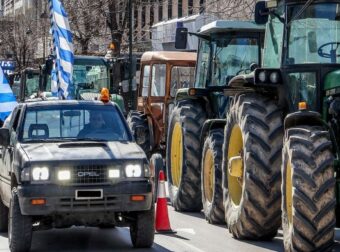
(304, 118)
(210, 125)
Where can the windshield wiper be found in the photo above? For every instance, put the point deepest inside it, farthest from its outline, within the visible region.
(309, 2)
(90, 139)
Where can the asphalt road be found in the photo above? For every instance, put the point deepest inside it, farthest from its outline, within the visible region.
(193, 235)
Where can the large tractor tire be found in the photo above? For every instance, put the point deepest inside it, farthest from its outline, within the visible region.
(308, 200)
(156, 161)
(183, 156)
(138, 124)
(252, 152)
(211, 176)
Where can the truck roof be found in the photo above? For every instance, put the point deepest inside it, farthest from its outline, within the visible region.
(66, 103)
(229, 26)
(169, 56)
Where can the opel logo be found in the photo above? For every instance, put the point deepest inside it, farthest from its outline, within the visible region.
(88, 174)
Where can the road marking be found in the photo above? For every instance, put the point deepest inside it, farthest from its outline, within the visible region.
(186, 230)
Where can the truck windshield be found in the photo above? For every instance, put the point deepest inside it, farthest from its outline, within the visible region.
(70, 123)
(232, 56)
(314, 36)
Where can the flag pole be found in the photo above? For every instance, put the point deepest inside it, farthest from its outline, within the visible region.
(130, 55)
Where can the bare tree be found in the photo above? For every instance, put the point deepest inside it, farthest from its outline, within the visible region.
(18, 39)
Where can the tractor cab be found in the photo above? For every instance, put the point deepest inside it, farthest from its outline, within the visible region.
(25, 84)
(303, 43)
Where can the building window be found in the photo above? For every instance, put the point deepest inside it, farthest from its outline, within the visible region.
(180, 4)
(191, 7)
(160, 12)
(169, 9)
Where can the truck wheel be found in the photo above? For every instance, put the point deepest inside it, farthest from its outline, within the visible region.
(211, 175)
(138, 124)
(142, 231)
(251, 167)
(19, 228)
(308, 200)
(183, 156)
(3, 217)
(156, 161)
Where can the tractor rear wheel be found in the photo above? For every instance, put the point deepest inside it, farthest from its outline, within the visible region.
(251, 167)
(183, 156)
(211, 176)
(138, 124)
(308, 200)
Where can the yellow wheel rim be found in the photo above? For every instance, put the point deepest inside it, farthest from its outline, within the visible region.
(235, 150)
(289, 192)
(208, 175)
(176, 154)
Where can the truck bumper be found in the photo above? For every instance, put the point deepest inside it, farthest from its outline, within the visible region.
(62, 199)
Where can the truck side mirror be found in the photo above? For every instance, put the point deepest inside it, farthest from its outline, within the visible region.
(181, 38)
(312, 43)
(261, 13)
(4, 137)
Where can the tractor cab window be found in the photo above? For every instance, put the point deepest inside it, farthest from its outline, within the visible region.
(232, 56)
(158, 80)
(146, 76)
(16, 86)
(181, 77)
(32, 85)
(202, 64)
(314, 34)
(273, 40)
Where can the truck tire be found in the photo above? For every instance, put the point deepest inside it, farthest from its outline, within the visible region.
(3, 217)
(252, 183)
(308, 214)
(156, 161)
(183, 156)
(142, 231)
(19, 228)
(139, 120)
(211, 176)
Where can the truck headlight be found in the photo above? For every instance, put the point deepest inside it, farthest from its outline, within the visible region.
(114, 173)
(64, 175)
(133, 170)
(262, 76)
(274, 77)
(40, 173)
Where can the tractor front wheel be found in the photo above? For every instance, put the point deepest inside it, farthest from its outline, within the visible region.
(308, 200)
(211, 176)
(138, 124)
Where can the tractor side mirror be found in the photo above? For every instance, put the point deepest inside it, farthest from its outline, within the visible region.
(181, 38)
(4, 137)
(312, 43)
(261, 13)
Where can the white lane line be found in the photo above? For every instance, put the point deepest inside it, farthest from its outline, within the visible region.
(186, 230)
(191, 247)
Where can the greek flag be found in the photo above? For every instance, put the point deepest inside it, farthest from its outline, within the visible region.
(63, 51)
(7, 99)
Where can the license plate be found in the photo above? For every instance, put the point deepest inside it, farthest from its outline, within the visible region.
(89, 194)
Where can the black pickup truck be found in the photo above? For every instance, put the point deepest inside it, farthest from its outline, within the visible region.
(65, 163)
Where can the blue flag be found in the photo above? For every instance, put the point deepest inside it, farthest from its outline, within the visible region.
(63, 51)
(7, 99)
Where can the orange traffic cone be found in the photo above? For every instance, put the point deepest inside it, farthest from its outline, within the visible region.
(162, 223)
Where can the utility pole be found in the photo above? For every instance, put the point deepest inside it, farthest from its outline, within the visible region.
(130, 54)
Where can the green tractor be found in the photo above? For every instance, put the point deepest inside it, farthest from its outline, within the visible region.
(288, 109)
(195, 132)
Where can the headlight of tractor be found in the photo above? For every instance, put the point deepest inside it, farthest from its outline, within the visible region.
(274, 77)
(64, 175)
(262, 76)
(40, 173)
(133, 170)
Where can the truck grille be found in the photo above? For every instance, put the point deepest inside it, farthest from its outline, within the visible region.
(90, 174)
